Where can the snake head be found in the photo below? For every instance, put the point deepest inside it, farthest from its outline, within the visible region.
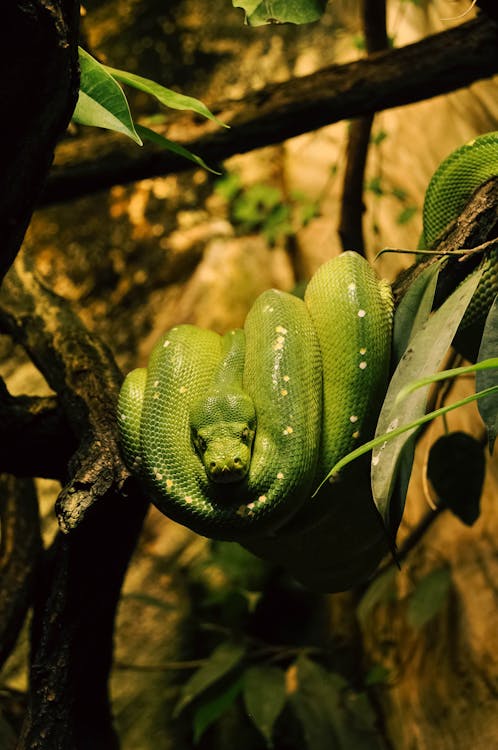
(223, 426)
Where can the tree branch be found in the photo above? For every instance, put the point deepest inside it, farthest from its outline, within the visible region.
(38, 54)
(436, 65)
(352, 206)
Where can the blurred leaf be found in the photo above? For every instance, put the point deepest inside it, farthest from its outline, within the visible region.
(160, 140)
(228, 186)
(400, 194)
(377, 138)
(259, 12)
(264, 697)
(382, 589)
(164, 96)
(242, 568)
(429, 597)
(406, 214)
(456, 468)
(488, 407)
(423, 356)
(414, 309)
(331, 714)
(211, 710)
(223, 659)
(101, 102)
(377, 675)
(375, 186)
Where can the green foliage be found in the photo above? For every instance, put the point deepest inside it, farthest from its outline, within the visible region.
(488, 407)
(103, 104)
(264, 697)
(259, 12)
(262, 208)
(210, 710)
(429, 597)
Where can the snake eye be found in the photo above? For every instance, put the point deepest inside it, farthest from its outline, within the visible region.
(244, 436)
(200, 443)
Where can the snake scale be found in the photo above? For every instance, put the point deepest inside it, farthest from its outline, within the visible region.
(232, 434)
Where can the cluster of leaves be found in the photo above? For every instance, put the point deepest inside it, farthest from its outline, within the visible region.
(259, 12)
(262, 208)
(103, 104)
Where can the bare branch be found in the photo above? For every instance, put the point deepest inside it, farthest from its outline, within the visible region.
(436, 65)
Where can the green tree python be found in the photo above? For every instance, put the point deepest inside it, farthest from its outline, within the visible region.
(232, 434)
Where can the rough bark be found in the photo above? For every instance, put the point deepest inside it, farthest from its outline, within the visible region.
(436, 65)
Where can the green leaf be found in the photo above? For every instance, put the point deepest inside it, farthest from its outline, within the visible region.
(414, 309)
(456, 468)
(488, 407)
(375, 186)
(377, 675)
(429, 597)
(164, 96)
(223, 659)
(160, 140)
(382, 589)
(331, 714)
(259, 12)
(406, 214)
(211, 710)
(101, 101)
(424, 356)
(264, 697)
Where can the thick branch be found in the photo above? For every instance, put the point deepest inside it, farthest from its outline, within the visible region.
(38, 57)
(35, 436)
(20, 551)
(83, 373)
(436, 65)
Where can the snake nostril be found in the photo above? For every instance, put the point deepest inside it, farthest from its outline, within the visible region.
(237, 461)
(212, 465)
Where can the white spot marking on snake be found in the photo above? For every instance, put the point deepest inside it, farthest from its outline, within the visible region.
(188, 499)
(281, 329)
(362, 365)
(278, 346)
(156, 383)
(352, 287)
(280, 339)
(363, 350)
(280, 475)
(288, 430)
(167, 343)
(169, 483)
(156, 395)
(241, 511)
(183, 389)
(286, 378)
(123, 417)
(353, 418)
(267, 308)
(284, 392)
(262, 499)
(356, 434)
(362, 313)
(158, 476)
(251, 505)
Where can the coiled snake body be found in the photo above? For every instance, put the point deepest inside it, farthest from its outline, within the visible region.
(232, 434)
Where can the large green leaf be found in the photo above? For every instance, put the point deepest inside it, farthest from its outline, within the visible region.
(423, 357)
(101, 100)
(211, 709)
(331, 714)
(264, 697)
(164, 96)
(488, 407)
(259, 12)
(222, 661)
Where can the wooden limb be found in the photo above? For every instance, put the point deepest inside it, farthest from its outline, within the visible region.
(20, 552)
(35, 436)
(39, 88)
(83, 373)
(73, 629)
(436, 65)
(352, 206)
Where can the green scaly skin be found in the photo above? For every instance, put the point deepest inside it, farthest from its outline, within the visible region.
(232, 434)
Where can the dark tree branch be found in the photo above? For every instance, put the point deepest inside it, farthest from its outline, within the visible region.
(35, 436)
(20, 552)
(352, 206)
(436, 65)
(83, 373)
(73, 629)
(38, 54)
